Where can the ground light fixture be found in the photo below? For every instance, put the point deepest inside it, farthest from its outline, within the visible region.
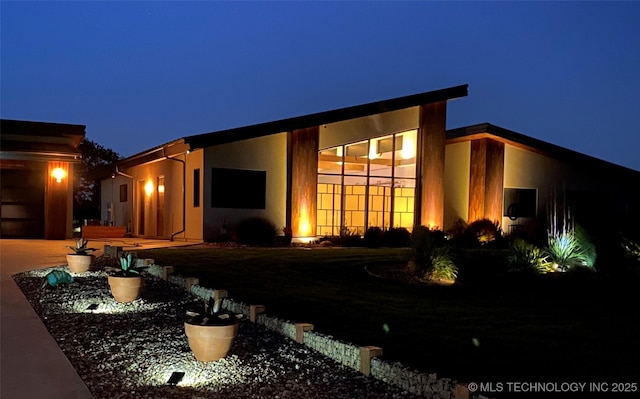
(175, 378)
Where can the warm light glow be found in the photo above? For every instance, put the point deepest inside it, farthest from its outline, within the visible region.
(148, 188)
(373, 148)
(58, 174)
(161, 188)
(408, 145)
(304, 227)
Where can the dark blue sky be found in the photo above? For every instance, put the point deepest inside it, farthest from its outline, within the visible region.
(140, 74)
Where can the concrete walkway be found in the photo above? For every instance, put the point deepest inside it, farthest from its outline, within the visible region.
(32, 365)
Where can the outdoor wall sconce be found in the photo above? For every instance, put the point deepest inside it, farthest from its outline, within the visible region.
(58, 174)
(148, 188)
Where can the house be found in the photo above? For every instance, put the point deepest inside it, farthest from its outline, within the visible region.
(390, 163)
(36, 173)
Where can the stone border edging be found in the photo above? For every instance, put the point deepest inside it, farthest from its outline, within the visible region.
(347, 354)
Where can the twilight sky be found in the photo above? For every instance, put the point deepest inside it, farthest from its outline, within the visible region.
(139, 74)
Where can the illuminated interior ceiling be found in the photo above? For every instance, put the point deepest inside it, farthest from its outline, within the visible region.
(378, 153)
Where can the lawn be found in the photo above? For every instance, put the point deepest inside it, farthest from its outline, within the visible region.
(544, 329)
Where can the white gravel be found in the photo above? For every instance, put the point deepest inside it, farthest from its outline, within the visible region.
(130, 350)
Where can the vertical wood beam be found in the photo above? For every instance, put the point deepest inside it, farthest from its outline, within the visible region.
(55, 202)
(432, 131)
(304, 179)
(486, 180)
(477, 173)
(494, 181)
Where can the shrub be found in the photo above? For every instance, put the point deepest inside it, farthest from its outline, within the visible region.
(396, 237)
(568, 250)
(479, 233)
(256, 231)
(526, 257)
(442, 265)
(373, 237)
(424, 243)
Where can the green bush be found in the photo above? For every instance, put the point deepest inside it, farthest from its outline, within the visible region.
(526, 257)
(442, 265)
(373, 237)
(570, 249)
(256, 231)
(479, 233)
(425, 249)
(396, 237)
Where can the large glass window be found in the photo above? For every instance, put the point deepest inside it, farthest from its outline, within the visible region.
(366, 184)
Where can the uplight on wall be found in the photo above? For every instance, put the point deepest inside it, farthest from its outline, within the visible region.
(148, 188)
(58, 174)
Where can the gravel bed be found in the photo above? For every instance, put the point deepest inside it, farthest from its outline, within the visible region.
(130, 350)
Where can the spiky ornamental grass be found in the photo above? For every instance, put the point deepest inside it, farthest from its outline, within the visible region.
(526, 257)
(568, 245)
(442, 265)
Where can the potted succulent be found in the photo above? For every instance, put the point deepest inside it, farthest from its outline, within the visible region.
(126, 282)
(211, 332)
(81, 260)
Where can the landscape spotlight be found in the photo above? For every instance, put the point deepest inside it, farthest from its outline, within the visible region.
(175, 378)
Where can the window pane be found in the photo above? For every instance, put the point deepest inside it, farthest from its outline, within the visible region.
(237, 188)
(356, 158)
(330, 160)
(379, 203)
(520, 203)
(381, 156)
(196, 188)
(405, 154)
(354, 204)
(123, 193)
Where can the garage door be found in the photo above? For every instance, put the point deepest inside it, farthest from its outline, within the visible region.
(22, 199)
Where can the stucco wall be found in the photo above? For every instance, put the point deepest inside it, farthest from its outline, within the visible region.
(172, 215)
(268, 153)
(553, 178)
(353, 130)
(110, 193)
(194, 215)
(456, 182)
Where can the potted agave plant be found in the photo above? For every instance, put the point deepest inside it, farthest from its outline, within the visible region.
(81, 260)
(126, 282)
(210, 333)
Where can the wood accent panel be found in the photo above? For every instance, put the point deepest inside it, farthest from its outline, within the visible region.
(55, 202)
(477, 173)
(486, 180)
(304, 178)
(432, 140)
(494, 181)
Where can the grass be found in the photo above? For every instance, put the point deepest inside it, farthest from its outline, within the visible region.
(546, 328)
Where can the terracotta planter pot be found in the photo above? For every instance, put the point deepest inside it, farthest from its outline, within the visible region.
(210, 343)
(126, 289)
(79, 263)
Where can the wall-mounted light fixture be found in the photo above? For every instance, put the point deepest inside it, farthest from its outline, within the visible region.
(58, 174)
(161, 188)
(148, 188)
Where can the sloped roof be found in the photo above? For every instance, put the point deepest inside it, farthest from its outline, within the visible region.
(322, 118)
(284, 125)
(30, 140)
(487, 130)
